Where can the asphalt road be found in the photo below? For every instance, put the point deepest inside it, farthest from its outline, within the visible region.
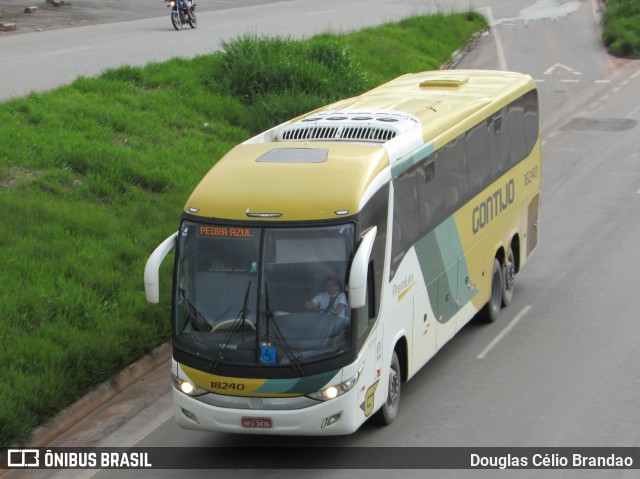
(41, 60)
(76, 13)
(559, 368)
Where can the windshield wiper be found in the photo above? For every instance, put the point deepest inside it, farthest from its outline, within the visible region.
(279, 336)
(196, 318)
(239, 322)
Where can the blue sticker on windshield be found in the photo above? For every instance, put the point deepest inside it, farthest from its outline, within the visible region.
(267, 355)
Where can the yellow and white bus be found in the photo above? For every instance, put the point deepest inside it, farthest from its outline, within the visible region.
(322, 263)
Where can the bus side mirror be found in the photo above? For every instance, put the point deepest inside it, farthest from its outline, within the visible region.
(152, 269)
(359, 269)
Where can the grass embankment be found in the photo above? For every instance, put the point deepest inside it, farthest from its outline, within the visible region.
(621, 33)
(94, 175)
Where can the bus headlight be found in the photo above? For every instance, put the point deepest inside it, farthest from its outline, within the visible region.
(187, 387)
(331, 392)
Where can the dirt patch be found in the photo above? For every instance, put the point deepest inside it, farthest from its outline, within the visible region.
(16, 174)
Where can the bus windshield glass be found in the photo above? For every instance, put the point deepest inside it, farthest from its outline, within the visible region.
(262, 296)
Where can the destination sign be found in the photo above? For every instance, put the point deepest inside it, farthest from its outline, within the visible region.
(213, 231)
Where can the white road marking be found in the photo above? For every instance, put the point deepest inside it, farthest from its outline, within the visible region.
(504, 332)
(59, 52)
(321, 13)
(552, 68)
(502, 60)
(142, 433)
(151, 426)
(633, 112)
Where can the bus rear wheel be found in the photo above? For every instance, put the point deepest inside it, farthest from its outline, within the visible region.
(389, 410)
(492, 308)
(508, 279)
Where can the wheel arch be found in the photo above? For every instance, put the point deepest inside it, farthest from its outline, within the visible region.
(500, 254)
(515, 247)
(401, 349)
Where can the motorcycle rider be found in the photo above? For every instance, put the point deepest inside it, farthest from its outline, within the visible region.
(186, 6)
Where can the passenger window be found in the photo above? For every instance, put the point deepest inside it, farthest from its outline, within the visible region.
(498, 143)
(517, 137)
(455, 174)
(531, 119)
(478, 158)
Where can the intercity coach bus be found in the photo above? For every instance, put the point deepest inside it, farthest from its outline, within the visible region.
(322, 263)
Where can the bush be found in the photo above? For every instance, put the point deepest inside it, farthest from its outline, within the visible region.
(621, 34)
(254, 67)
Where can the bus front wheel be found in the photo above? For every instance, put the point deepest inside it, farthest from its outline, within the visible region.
(492, 308)
(389, 409)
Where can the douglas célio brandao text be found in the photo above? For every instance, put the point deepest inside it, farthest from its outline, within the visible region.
(551, 461)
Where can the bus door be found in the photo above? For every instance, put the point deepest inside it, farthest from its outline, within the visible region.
(532, 224)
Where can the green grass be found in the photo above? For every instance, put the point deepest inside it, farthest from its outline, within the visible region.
(94, 175)
(621, 33)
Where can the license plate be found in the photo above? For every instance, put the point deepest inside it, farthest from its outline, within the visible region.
(257, 422)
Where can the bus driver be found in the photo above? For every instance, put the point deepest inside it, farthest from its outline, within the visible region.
(332, 301)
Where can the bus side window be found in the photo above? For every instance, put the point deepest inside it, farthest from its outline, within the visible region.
(405, 208)
(455, 174)
(478, 158)
(531, 119)
(430, 195)
(371, 294)
(517, 138)
(366, 316)
(424, 208)
(375, 213)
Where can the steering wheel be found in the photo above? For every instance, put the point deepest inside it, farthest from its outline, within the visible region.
(230, 322)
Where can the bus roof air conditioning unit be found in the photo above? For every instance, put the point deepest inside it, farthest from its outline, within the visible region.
(360, 126)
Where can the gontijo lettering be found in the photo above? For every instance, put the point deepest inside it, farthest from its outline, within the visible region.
(495, 204)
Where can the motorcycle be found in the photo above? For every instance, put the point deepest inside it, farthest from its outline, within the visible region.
(182, 11)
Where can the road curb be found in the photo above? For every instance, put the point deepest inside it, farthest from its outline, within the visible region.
(458, 55)
(79, 410)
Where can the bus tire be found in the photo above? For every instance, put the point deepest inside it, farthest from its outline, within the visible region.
(508, 279)
(389, 410)
(492, 308)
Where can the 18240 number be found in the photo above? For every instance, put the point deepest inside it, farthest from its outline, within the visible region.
(227, 386)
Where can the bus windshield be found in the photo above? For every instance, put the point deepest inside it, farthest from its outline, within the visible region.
(262, 296)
